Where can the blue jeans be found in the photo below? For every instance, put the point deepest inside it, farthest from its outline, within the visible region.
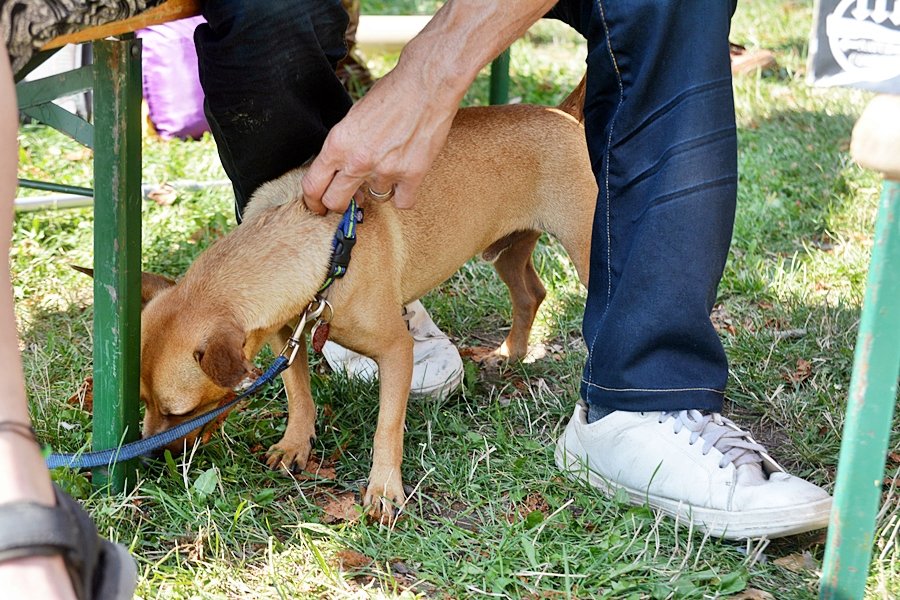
(660, 126)
(659, 120)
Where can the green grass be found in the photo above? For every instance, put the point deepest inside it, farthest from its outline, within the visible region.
(399, 7)
(491, 515)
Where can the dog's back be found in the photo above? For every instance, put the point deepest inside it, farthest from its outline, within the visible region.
(504, 169)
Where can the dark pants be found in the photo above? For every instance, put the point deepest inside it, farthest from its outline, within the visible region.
(660, 126)
(267, 69)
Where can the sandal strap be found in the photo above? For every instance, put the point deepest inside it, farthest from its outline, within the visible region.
(30, 529)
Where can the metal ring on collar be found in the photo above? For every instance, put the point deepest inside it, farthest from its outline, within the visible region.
(381, 196)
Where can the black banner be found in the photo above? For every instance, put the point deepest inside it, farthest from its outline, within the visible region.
(856, 43)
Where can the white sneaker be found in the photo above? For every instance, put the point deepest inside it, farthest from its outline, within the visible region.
(695, 467)
(437, 366)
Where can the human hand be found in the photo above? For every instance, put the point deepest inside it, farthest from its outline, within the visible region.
(387, 141)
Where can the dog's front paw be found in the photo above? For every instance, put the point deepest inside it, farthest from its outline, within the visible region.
(384, 498)
(289, 454)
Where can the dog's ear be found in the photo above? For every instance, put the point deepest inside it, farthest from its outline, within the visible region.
(85, 270)
(151, 283)
(222, 357)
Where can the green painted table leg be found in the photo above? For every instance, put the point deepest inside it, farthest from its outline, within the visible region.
(499, 93)
(117, 252)
(873, 391)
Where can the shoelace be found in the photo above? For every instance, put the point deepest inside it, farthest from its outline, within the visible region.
(416, 334)
(720, 433)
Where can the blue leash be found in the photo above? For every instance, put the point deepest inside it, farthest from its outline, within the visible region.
(341, 247)
(103, 458)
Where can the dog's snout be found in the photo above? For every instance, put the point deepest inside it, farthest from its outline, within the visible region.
(152, 456)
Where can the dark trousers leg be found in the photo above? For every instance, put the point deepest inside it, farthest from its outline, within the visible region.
(267, 70)
(659, 119)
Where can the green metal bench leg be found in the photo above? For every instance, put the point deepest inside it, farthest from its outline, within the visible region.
(499, 92)
(117, 251)
(873, 391)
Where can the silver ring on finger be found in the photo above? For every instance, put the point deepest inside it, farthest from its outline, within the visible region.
(381, 196)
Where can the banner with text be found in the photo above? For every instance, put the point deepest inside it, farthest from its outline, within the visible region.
(856, 43)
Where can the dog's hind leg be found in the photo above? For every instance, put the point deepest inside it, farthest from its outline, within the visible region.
(575, 237)
(516, 269)
(292, 451)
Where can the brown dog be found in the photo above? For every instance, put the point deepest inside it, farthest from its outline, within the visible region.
(506, 174)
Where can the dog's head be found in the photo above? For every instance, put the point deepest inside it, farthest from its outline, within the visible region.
(191, 359)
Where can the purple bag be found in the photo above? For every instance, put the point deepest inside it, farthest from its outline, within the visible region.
(170, 80)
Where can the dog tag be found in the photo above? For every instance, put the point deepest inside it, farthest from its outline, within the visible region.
(319, 336)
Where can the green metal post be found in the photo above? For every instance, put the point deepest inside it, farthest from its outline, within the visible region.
(117, 251)
(873, 392)
(499, 93)
(60, 188)
(48, 89)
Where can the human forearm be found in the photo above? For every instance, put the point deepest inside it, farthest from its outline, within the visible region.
(472, 32)
(21, 465)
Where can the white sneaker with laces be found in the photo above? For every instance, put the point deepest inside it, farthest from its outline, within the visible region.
(437, 366)
(695, 467)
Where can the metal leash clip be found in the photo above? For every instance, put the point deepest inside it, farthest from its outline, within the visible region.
(313, 312)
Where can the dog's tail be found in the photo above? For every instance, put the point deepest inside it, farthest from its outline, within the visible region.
(574, 102)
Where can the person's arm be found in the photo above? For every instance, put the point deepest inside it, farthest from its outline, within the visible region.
(23, 474)
(391, 137)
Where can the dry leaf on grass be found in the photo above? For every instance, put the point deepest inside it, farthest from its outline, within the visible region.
(316, 469)
(338, 453)
(84, 396)
(351, 559)
(797, 563)
(477, 354)
(801, 373)
(534, 502)
(722, 321)
(752, 594)
(341, 508)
